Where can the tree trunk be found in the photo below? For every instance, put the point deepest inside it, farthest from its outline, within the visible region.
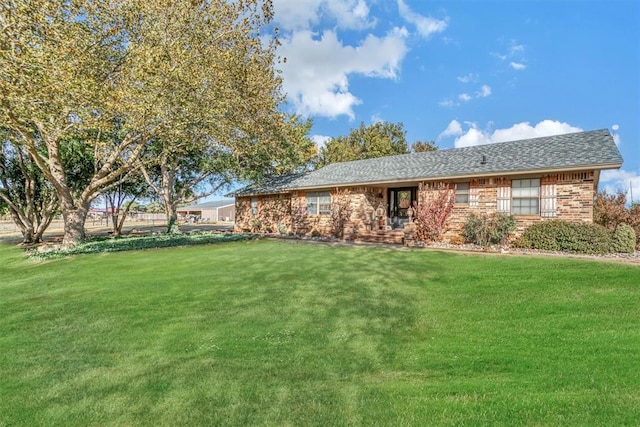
(41, 228)
(172, 218)
(118, 227)
(32, 225)
(118, 221)
(114, 220)
(27, 234)
(31, 202)
(74, 220)
(26, 228)
(28, 237)
(169, 198)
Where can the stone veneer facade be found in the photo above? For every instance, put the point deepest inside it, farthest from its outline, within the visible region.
(572, 197)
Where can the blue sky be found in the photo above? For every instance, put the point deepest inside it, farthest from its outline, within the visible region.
(467, 72)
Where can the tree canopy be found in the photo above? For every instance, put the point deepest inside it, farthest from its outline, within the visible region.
(365, 142)
(423, 146)
(197, 75)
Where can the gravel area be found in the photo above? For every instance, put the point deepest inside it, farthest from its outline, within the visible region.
(631, 258)
(506, 250)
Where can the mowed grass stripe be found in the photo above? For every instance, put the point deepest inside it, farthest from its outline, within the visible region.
(286, 333)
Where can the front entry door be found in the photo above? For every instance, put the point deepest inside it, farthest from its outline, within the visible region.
(400, 199)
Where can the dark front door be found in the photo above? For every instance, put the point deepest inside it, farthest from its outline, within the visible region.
(400, 200)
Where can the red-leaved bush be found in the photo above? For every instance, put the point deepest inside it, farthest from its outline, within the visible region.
(432, 213)
(610, 210)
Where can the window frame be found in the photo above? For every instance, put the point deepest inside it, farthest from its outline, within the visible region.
(318, 203)
(462, 192)
(525, 200)
(254, 206)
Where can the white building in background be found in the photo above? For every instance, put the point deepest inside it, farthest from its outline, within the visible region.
(215, 211)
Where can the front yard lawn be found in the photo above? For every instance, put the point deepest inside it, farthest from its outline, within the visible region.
(290, 333)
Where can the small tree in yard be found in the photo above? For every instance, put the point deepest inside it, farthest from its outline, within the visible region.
(120, 198)
(634, 221)
(432, 214)
(610, 210)
(340, 211)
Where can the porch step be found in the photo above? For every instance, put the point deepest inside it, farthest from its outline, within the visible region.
(393, 237)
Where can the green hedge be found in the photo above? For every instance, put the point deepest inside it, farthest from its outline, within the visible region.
(565, 236)
(486, 230)
(624, 239)
(101, 245)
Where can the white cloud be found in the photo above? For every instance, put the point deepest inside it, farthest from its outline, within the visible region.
(516, 49)
(473, 136)
(426, 26)
(316, 74)
(319, 63)
(320, 140)
(485, 91)
(515, 54)
(613, 181)
(347, 14)
(447, 103)
(454, 128)
(524, 130)
(471, 77)
(292, 14)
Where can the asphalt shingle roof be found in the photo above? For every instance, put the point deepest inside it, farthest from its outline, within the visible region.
(591, 150)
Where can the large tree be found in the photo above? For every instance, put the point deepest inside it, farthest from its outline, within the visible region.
(423, 146)
(200, 165)
(365, 142)
(29, 198)
(147, 68)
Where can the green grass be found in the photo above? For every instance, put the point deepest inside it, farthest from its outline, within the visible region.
(286, 333)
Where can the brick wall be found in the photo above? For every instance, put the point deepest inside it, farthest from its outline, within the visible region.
(482, 201)
(574, 200)
(574, 194)
(290, 211)
(274, 212)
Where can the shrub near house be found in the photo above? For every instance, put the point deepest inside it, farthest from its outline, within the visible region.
(577, 237)
(489, 230)
(611, 210)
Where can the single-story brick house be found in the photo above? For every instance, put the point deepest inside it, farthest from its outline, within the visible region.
(533, 179)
